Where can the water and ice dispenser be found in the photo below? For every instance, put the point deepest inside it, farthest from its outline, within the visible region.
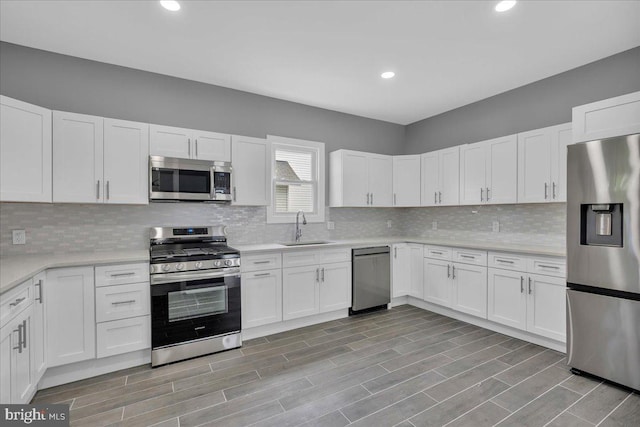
(601, 224)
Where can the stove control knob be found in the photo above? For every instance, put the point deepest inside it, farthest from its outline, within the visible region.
(229, 262)
(199, 264)
(218, 263)
(180, 267)
(166, 267)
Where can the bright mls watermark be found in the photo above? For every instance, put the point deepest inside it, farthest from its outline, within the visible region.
(34, 415)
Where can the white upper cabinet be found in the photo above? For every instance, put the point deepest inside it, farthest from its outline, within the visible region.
(97, 160)
(607, 118)
(542, 158)
(441, 177)
(25, 152)
(126, 165)
(359, 179)
(488, 171)
(251, 171)
(77, 158)
(406, 180)
(183, 143)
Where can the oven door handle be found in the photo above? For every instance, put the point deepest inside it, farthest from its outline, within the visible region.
(190, 276)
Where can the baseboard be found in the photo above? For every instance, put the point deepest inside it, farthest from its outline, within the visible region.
(287, 325)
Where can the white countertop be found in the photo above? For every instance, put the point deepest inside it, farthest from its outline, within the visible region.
(16, 269)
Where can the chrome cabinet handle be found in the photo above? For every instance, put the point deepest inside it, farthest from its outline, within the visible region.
(17, 301)
(439, 197)
(40, 294)
(488, 198)
(98, 189)
(189, 146)
(546, 190)
(436, 252)
(554, 267)
(261, 274)
(435, 197)
(322, 279)
(235, 194)
(196, 148)
(504, 261)
(553, 191)
(367, 198)
(107, 190)
(395, 252)
(530, 286)
(19, 331)
(131, 301)
(24, 333)
(467, 256)
(448, 270)
(372, 198)
(123, 274)
(317, 274)
(261, 262)
(481, 195)
(453, 272)
(521, 284)
(394, 198)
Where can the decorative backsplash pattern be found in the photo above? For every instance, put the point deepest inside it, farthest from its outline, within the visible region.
(85, 227)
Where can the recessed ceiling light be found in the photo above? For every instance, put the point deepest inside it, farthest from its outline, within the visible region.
(505, 5)
(171, 5)
(388, 75)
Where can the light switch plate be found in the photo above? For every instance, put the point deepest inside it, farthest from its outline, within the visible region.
(496, 226)
(19, 237)
(434, 225)
(331, 225)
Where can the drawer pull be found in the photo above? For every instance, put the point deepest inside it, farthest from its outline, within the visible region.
(505, 261)
(261, 262)
(262, 275)
(436, 252)
(19, 331)
(467, 256)
(554, 267)
(40, 297)
(131, 273)
(131, 301)
(17, 301)
(521, 284)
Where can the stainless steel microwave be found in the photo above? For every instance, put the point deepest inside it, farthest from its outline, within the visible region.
(173, 179)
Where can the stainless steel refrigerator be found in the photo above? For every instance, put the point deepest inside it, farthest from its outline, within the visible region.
(603, 259)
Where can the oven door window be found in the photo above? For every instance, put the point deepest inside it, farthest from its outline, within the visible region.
(180, 181)
(191, 304)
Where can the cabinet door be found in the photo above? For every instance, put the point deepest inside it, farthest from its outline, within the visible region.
(169, 141)
(126, 162)
(251, 171)
(507, 298)
(335, 286)
(470, 289)
(77, 158)
(6, 350)
(25, 152)
(546, 307)
(381, 180)
(416, 289)
(401, 264)
(211, 146)
(355, 179)
(300, 291)
(39, 335)
(534, 165)
(430, 176)
(70, 333)
(437, 282)
(406, 180)
(502, 170)
(607, 118)
(261, 298)
(22, 380)
(473, 173)
(449, 176)
(560, 139)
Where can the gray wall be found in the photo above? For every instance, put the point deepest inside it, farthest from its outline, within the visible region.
(68, 83)
(543, 103)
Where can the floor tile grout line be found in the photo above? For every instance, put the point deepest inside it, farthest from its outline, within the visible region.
(497, 404)
(613, 410)
(575, 391)
(540, 396)
(122, 414)
(476, 407)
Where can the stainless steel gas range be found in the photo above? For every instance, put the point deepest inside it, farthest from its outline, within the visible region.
(195, 293)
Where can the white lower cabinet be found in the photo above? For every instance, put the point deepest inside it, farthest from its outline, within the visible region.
(469, 289)
(407, 270)
(261, 297)
(335, 287)
(546, 306)
(300, 292)
(123, 336)
(39, 342)
(16, 365)
(437, 277)
(71, 334)
(507, 299)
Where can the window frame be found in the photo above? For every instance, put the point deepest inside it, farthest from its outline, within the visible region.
(280, 142)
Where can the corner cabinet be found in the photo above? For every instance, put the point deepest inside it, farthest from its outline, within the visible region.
(251, 161)
(359, 179)
(25, 152)
(488, 171)
(189, 143)
(406, 180)
(98, 160)
(542, 164)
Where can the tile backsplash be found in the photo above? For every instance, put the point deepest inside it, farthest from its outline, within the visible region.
(87, 227)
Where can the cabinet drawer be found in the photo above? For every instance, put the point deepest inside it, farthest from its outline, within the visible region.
(548, 266)
(437, 252)
(119, 274)
(122, 301)
(507, 261)
(301, 258)
(335, 255)
(123, 336)
(259, 262)
(15, 300)
(468, 256)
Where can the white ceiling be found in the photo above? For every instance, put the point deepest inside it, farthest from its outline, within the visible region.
(330, 53)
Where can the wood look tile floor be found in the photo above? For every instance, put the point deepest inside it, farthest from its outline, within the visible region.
(400, 367)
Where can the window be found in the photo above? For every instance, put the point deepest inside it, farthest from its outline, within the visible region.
(297, 180)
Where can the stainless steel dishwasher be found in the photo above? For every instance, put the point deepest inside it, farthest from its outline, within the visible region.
(371, 279)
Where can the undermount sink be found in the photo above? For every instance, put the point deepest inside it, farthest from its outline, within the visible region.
(309, 242)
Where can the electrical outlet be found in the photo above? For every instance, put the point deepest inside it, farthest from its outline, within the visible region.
(331, 225)
(389, 224)
(434, 225)
(496, 226)
(19, 237)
